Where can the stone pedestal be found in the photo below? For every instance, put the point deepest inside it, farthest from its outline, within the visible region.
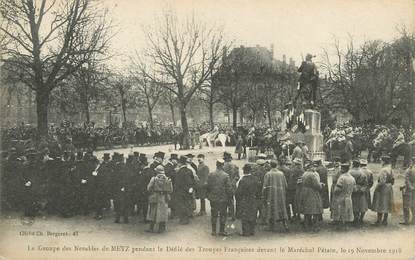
(313, 137)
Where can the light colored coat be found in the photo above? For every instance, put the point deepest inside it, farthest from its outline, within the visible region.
(160, 188)
(342, 209)
(274, 191)
(383, 194)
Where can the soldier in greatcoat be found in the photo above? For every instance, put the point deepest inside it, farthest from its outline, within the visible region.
(160, 188)
(311, 204)
(219, 189)
(274, 194)
(286, 168)
(233, 171)
(298, 172)
(359, 197)
(342, 197)
(408, 196)
(383, 195)
(246, 200)
(322, 173)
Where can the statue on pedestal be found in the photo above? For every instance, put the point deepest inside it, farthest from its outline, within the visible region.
(308, 82)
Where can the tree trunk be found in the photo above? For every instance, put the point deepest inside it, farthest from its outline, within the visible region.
(124, 108)
(42, 104)
(173, 115)
(185, 127)
(241, 116)
(234, 116)
(269, 117)
(211, 115)
(150, 116)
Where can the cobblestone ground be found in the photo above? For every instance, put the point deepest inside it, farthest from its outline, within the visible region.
(88, 237)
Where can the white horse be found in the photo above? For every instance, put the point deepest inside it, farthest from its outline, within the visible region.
(207, 138)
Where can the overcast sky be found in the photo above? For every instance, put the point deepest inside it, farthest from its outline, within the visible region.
(294, 27)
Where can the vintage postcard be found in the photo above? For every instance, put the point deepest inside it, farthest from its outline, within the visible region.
(207, 129)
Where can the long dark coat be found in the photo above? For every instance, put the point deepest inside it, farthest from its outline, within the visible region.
(202, 172)
(246, 198)
(322, 172)
(122, 191)
(184, 199)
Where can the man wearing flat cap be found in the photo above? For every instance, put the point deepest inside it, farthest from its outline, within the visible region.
(219, 190)
(184, 189)
(383, 194)
(233, 172)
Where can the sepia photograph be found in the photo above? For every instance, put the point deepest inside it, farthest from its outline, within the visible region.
(207, 129)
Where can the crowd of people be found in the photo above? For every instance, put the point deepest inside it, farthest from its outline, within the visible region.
(267, 192)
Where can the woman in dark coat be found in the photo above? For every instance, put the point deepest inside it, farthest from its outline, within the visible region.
(246, 200)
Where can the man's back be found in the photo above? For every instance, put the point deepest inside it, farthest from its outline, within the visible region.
(218, 186)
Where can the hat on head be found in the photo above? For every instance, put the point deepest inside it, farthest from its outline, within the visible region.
(297, 161)
(288, 162)
(106, 156)
(159, 154)
(143, 155)
(386, 158)
(262, 156)
(220, 161)
(189, 155)
(308, 164)
(345, 164)
(200, 156)
(174, 156)
(136, 154)
(227, 156)
(159, 169)
(260, 161)
(183, 159)
(247, 168)
(363, 162)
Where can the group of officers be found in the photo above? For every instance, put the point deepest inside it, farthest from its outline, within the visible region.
(267, 192)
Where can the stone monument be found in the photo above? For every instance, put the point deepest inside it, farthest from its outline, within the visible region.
(303, 119)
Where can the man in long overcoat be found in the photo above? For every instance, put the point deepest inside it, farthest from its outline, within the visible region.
(311, 203)
(342, 197)
(122, 191)
(202, 173)
(274, 191)
(383, 195)
(408, 196)
(219, 189)
(185, 186)
(298, 172)
(359, 197)
(246, 200)
(233, 171)
(160, 188)
(146, 174)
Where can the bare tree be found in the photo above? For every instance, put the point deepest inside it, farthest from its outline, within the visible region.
(184, 52)
(50, 40)
(149, 90)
